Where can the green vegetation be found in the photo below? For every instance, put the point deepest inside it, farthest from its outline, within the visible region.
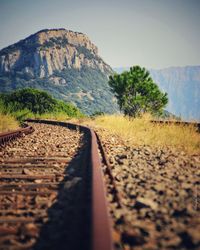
(30, 102)
(53, 41)
(137, 93)
(9, 49)
(91, 83)
(97, 113)
(28, 46)
(7, 123)
(87, 53)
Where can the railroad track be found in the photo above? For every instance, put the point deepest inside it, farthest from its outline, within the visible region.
(59, 195)
(9, 136)
(171, 122)
(52, 194)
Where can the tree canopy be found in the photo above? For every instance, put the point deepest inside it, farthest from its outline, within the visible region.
(137, 93)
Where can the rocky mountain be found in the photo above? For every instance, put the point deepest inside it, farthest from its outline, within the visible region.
(63, 62)
(183, 87)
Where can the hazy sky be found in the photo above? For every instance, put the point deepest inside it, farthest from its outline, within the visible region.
(151, 33)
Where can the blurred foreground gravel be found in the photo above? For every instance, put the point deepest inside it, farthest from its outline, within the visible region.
(159, 190)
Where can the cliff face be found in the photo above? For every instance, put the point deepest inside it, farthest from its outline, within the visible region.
(48, 51)
(63, 62)
(183, 87)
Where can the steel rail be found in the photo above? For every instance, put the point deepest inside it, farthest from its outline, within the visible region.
(171, 122)
(8, 136)
(101, 221)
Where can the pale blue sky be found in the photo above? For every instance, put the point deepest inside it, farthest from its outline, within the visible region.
(151, 33)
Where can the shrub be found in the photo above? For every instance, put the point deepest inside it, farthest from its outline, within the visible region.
(28, 102)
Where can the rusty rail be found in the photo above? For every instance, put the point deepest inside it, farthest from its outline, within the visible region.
(171, 122)
(8, 136)
(101, 224)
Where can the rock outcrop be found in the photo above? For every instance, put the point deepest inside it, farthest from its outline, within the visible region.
(48, 51)
(62, 62)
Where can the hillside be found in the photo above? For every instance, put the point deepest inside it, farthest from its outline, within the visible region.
(183, 87)
(62, 62)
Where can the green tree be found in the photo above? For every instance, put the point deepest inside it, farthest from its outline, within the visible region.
(34, 100)
(137, 93)
(37, 102)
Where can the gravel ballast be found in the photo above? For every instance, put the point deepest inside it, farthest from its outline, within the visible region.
(45, 190)
(159, 195)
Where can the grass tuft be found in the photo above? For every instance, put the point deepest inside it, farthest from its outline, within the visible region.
(59, 116)
(8, 123)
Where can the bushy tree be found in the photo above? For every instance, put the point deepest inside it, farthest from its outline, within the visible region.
(137, 93)
(37, 102)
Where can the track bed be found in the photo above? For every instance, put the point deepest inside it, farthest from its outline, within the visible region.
(45, 197)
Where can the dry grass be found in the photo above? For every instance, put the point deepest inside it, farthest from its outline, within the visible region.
(7, 123)
(141, 131)
(53, 116)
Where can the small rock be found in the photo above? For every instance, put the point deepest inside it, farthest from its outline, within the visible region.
(145, 203)
(123, 156)
(59, 178)
(111, 160)
(27, 172)
(31, 229)
(186, 185)
(181, 178)
(38, 181)
(132, 237)
(160, 187)
(73, 182)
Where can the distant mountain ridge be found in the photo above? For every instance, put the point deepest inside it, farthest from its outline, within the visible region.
(183, 87)
(63, 62)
